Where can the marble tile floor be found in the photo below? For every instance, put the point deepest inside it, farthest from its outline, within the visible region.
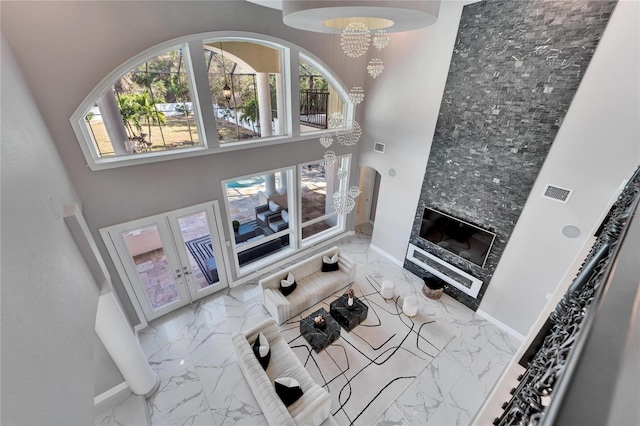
(201, 383)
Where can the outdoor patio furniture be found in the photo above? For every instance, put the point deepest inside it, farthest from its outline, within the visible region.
(278, 221)
(266, 210)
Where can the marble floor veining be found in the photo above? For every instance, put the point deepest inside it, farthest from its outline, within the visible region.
(201, 382)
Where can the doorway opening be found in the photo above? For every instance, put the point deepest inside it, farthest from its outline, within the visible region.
(367, 202)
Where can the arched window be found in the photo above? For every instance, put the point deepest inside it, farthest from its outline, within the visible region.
(198, 94)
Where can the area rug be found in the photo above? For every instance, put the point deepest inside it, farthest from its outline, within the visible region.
(368, 368)
(201, 250)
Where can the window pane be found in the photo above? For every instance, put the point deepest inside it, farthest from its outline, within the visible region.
(319, 100)
(259, 208)
(317, 185)
(149, 109)
(242, 81)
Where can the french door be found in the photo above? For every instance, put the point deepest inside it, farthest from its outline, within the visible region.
(169, 260)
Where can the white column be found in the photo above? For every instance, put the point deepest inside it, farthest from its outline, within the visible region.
(108, 106)
(283, 182)
(270, 184)
(264, 103)
(280, 106)
(116, 335)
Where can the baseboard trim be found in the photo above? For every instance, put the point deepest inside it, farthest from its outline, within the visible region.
(500, 324)
(111, 397)
(386, 255)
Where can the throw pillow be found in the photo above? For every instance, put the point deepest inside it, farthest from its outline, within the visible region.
(262, 350)
(330, 264)
(285, 216)
(288, 285)
(288, 390)
(273, 206)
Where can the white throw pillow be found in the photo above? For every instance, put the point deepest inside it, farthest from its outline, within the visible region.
(288, 282)
(285, 216)
(262, 350)
(330, 260)
(273, 206)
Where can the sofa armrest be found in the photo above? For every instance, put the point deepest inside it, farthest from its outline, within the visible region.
(268, 327)
(277, 305)
(315, 408)
(348, 266)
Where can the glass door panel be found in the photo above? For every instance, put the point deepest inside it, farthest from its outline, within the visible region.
(151, 263)
(197, 248)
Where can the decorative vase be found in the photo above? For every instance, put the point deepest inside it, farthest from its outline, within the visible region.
(433, 287)
(320, 322)
(350, 301)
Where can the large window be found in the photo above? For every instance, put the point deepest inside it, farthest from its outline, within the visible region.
(275, 210)
(204, 94)
(259, 210)
(149, 109)
(244, 78)
(320, 100)
(318, 183)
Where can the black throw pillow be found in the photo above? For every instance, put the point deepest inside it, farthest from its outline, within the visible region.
(288, 285)
(288, 390)
(262, 350)
(330, 264)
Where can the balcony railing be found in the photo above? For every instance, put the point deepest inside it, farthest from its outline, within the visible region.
(313, 107)
(574, 364)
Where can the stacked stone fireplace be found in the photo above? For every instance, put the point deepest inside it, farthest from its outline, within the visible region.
(514, 71)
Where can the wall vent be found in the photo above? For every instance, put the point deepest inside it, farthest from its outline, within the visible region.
(378, 147)
(556, 193)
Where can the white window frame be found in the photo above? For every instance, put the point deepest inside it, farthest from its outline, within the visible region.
(333, 231)
(291, 230)
(201, 96)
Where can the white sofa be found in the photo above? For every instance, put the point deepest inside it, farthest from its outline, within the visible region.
(313, 407)
(312, 285)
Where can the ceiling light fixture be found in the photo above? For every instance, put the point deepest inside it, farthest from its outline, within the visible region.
(334, 16)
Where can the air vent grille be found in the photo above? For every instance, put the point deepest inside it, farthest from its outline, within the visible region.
(557, 193)
(378, 147)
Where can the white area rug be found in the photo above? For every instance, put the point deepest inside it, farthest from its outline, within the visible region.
(365, 370)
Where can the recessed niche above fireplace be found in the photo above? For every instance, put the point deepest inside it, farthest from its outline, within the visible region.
(468, 241)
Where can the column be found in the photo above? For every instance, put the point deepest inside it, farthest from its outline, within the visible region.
(108, 106)
(264, 103)
(116, 335)
(270, 184)
(283, 182)
(281, 112)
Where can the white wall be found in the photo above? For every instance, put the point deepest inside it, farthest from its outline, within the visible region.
(401, 110)
(49, 298)
(596, 148)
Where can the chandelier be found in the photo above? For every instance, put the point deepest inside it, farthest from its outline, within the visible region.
(360, 23)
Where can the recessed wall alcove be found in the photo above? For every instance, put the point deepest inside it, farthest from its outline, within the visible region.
(515, 69)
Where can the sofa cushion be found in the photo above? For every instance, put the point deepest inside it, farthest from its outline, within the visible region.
(288, 390)
(262, 350)
(288, 284)
(273, 206)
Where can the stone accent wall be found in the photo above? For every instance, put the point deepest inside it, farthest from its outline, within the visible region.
(515, 68)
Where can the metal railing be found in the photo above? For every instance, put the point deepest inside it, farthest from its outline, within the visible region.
(313, 107)
(555, 387)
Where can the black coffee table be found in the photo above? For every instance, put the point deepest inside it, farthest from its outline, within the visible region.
(319, 338)
(348, 317)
